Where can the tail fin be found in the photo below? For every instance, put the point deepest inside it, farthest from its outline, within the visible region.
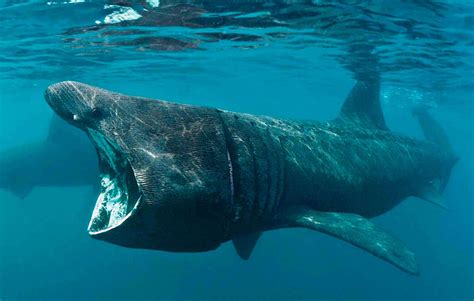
(435, 133)
(432, 130)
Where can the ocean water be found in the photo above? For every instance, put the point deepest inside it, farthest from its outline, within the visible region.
(291, 59)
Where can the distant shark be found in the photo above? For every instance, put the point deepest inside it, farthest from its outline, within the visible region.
(64, 158)
(186, 179)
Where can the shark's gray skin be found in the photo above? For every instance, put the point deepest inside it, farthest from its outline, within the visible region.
(185, 178)
(64, 158)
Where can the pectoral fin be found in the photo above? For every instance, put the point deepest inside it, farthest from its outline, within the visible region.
(354, 229)
(244, 245)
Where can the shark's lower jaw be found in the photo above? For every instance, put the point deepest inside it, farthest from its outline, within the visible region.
(120, 194)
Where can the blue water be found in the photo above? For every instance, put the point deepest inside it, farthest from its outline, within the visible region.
(289, 59)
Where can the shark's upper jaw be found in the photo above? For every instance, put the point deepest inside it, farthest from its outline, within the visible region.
(120, 194)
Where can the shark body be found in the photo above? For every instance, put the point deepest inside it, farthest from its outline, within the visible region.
(186, 178)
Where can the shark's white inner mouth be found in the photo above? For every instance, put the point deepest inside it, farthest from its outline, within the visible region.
(119, 190)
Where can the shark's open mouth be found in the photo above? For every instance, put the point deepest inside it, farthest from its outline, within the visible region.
(120, 194)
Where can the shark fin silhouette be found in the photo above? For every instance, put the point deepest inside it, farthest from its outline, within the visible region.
(362, 105)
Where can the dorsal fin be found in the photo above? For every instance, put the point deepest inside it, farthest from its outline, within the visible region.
(362, 105)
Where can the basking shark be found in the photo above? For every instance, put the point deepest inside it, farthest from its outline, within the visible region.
(185, 178)
(64, 158)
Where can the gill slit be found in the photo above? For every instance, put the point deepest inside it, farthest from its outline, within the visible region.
(283, 176)
(230, 157)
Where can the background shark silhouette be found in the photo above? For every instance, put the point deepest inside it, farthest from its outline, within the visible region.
(64, 158)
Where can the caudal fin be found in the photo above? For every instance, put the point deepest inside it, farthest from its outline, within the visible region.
(434, 132)
(431, 128)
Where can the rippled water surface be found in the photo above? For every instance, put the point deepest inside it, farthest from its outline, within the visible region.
(422, 44)
(290, 58)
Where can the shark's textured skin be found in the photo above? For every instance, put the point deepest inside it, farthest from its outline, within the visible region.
(190, 178)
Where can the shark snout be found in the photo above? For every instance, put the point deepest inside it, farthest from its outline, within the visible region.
(70, 100)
